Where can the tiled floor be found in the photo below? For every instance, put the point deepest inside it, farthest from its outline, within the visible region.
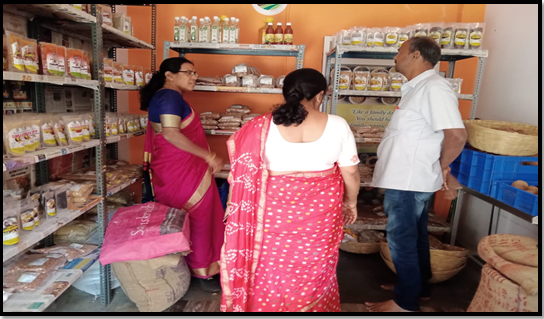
(359, 278)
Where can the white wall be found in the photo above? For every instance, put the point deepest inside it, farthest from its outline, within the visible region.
(509, 90)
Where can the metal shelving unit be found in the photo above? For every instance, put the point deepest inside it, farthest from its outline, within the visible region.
(67, 20)
(345, 51)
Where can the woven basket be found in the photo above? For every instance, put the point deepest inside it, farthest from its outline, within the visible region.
(446, 260)
(360, 248)
(489, 136)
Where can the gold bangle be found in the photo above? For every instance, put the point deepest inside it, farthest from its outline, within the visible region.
(214, 155)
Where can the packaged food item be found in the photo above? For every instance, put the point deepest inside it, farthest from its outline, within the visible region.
(128, 74)
(379, 80)
(85, 134)
(84, 66)
(240, 70)
(59, 128)
(122, 124)
(34, 122)
(370, 37)
(14, 135)
(74, 128)
(210, 116)
(404, 35)
(447, 35)
(19, 90)
(250, 80)
(266, 81)
(421, 30)
(89, 120)
(61, 60)
(106, 15)
(117, 71)
(435, 32)
(148, 74)
(358, 36)
(460, 36)
(37, 263)
(70, 251)
(476, 35)
(48, 61)
(390, 100)
(24, 281)
(27, 214)
(127, 27)
(392, 37)
(46, 132)
(80, 193)
(73, 62)
(108, 70)
(279, 81)
(16, 61)
(231, 80)
(139, 75)
(346, 76)
(397, 80)
(144, 120)
(29, 50)
(78, 231)
(49, 202)
(11, 223)
(113, 121)
(119, 21)
(379, 37)
(361, 75)
(455, 84)
(5, 53)
(28, 136)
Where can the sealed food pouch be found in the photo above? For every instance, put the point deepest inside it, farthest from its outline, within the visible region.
(48, 59)
(49, 203)
(14, 135)
(361, 75)
(73, 62)
(28, 136)
(108, 70)
(139, 75)
(40, 263)
(74, 128)
(142, 125)
(33, 122)
(5, 53)
(128, 75)
(147, 75)
(117, 71)
(80, 193)
(84, 66)
(46, 131)
(61, 60)
(29, 50)
(27, 214)
(89, 119)
(11, 223)
(24, 281)
(59, 128)
(85, 133)
(16, 61)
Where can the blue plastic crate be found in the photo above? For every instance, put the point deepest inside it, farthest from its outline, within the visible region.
(479, 170)
(517, 198)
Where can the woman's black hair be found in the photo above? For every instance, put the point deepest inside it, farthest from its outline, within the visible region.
(298, 85)
(157, 81)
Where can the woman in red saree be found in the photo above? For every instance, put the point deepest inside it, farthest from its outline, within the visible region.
(181, 166)
(294, 184)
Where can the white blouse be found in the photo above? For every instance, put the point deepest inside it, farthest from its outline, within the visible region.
(336, 145)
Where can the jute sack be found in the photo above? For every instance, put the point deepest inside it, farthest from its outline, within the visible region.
(155, 284)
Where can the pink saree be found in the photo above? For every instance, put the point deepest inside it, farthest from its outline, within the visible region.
(184, 181)
(282, 235)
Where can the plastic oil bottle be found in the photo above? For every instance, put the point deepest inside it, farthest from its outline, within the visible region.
(232, 30)
(225, 30)
(288, 34)
(269, 34)
(216, 30)
(208, 22)
(202, 31)
(278, 34)
(177, 24)
(194, 30)
(237, 30)
(262, 30)
(183, 30)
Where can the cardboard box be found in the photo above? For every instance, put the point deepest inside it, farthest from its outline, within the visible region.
(156, 284)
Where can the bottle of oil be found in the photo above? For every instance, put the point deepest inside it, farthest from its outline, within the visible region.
(278, 34)
(177, 24)
(194, 29)
(288, 34)
(232, 30)
(225, 30)
(216, 30)
(183, 30)
(269, 34)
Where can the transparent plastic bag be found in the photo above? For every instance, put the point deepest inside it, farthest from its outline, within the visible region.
(476, 35)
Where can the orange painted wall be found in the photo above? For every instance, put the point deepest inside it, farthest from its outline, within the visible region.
(311, 22)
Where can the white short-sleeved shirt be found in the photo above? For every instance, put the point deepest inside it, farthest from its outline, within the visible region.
(336, 144)
(409, 154)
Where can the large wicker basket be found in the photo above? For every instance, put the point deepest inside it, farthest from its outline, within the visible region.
(493, 137)
(360, 248)
(446, 260)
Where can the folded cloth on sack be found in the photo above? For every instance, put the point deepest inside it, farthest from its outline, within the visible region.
(145, 231)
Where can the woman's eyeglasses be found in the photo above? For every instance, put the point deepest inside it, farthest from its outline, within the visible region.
(190, 73)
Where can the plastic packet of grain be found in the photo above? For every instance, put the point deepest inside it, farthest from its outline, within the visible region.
(210, 116)
(106, 14)
(84, 66)
(59, 128)
(13, 134)
(29, 50)
(70, 250)
(108, 70)
(48, 59)
(88, 118)
(128, 74)
(61, 60)
(28, 136)
(148, 74)
(16, 61)
(11, 223)
(117, 71)
(24, 281)
(74, 128)
(139, 75)
(46, 131)
(73, 63)
(34, 121)
(80, 193)
(49, 202)
(40, 263)
(85, 132)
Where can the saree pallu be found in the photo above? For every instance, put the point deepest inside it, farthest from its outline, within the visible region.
(283, 233)
(184, 181)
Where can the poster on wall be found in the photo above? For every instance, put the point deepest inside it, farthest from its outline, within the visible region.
(269, 9)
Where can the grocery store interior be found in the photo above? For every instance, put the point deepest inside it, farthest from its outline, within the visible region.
(71, 79)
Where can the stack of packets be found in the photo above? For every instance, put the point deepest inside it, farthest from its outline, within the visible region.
(236, 116)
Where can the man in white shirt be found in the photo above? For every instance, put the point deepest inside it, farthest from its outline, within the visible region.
(425, 134)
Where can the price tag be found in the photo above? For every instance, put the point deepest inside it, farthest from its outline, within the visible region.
(27, 77)
(56, 153)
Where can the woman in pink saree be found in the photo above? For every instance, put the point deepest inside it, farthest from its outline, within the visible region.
(181, 166)
(294, 184)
